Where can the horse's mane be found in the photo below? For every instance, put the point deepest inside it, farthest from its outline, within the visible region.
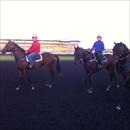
(84, 50)
(116, 49)
(18, 47)
(126, 48)
(88, 50)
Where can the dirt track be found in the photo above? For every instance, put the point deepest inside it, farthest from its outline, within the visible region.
(66, 106)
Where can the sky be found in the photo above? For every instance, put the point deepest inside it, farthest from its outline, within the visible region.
(67, 20)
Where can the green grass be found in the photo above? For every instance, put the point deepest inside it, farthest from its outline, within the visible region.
(6, 58)
(66, 58)
(11, 58)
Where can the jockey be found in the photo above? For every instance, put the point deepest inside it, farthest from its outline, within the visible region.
(98, 47)
(33, 50)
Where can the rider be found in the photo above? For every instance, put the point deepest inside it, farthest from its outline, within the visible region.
(98, 47)
(33, 50)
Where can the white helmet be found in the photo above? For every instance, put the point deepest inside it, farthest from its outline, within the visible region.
(34, 36)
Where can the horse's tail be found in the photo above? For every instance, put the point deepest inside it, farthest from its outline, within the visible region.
(58, 67)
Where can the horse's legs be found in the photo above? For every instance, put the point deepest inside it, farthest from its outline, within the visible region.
(22, 74)
(126, 77)
(89, 74)
(89, 83)
(122, 91)
(20, 80)
(113, 78)
(29, 79)
(127, 83)
(52, 74)
(89, 79)
(123, 75)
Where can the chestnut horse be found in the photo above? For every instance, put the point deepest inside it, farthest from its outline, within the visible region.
(49, 60)
(90, 65)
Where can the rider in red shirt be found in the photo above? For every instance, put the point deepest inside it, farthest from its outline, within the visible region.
(33, 51)
(35, 47)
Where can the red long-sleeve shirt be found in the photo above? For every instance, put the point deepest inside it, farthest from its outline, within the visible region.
(35, 47)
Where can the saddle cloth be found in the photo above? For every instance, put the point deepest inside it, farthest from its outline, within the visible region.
(37, 60)
(126, 66)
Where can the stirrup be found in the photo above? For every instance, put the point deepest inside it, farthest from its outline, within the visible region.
(30, 66)
(99, 66)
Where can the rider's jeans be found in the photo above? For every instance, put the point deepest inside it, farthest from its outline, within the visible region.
(32, 57)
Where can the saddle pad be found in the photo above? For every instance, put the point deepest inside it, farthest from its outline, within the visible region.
(105, 59)
(126, 66)
(40, 59)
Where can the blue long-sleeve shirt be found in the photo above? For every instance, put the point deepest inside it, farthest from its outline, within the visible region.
(98, 46)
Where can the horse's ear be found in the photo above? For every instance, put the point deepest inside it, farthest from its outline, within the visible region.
(74, 47)
(115, 43)
(121, 42)
(10, 41)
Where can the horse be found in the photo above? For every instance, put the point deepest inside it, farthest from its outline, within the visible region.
(51, 61)
(90, 65)
(122, 57)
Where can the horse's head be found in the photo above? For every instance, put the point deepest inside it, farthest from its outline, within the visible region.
(12, 47)
(78, 53)
(81, 54)
(120, 50)
(8, 47)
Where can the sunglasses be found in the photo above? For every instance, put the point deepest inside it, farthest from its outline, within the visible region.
(34, 37)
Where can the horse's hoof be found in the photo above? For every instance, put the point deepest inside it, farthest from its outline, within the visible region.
(108, 88)
(50, 85)
(33, 88)
(90, 91)
(118, 108)
(17, 89)
(117, 85)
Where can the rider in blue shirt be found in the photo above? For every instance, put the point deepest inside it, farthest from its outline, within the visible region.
(98, 47)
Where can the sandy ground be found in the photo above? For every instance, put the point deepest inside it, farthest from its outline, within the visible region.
(65, 106)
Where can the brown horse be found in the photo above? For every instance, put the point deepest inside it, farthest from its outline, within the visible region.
(49, 60)
(90, 65)
(122, 56)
